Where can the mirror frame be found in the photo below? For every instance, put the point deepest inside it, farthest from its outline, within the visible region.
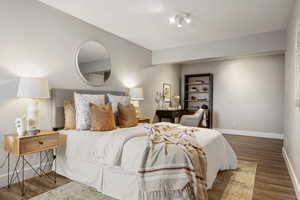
(78, 68)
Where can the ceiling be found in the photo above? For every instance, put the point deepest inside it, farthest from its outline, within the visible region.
(145, 22)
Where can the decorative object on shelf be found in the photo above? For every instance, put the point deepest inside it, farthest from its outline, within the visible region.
(34, 89)
(20, 124)
(199, 81)
(194, 89)
(193, 98)
(204, 107)
(167, 92)
(205, 89)
(137, 95)
(202, 99)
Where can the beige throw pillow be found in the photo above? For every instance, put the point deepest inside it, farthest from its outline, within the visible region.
(127, 116)
(70, 115)
(102, 118)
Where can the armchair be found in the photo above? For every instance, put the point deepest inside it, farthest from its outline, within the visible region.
(193, 120)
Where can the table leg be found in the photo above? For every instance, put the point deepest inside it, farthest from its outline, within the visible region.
(173, 120)
(8, 168)
(23, 166)
(55, 160)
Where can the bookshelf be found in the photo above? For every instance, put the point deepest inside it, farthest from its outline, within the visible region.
(198, 91)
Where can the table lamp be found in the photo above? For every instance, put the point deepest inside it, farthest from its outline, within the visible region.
(136, 95)
(34, 89)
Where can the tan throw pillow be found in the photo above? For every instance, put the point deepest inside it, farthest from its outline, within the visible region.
(102, 118)
(127, 116)
(70, 115)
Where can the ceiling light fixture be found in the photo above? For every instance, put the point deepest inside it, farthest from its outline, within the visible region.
(179, 22)
(187, 18)
(180, 19)
(172, 20)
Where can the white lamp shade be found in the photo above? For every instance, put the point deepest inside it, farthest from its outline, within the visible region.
(136, 94)
(34, 88)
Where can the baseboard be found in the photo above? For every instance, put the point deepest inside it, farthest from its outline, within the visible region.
(292, 173)
(28, 173)
(252, 133)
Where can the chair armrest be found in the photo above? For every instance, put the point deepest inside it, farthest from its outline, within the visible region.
(190, 120)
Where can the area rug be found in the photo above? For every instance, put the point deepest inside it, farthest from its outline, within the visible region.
(229, 185)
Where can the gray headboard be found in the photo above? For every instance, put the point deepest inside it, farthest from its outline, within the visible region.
(58, 96)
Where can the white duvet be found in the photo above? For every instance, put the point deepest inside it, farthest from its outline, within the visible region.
(124, 148)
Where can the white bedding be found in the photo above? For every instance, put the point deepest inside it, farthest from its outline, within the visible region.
(89, 154)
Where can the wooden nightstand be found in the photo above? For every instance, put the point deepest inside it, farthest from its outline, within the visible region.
(144, 120)
(45, 142)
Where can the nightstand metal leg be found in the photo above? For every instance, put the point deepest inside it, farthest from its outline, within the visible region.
(55, 160)
(8, 166)
(23, 166)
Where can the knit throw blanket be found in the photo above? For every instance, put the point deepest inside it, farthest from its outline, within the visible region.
(174, 165)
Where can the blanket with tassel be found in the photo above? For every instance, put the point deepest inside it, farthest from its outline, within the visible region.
(174, 166)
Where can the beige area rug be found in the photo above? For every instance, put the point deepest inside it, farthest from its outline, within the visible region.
(229, 185)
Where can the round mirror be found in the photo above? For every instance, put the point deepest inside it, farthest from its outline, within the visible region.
(93, 63)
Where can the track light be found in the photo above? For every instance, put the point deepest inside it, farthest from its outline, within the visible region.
(187, 18)
(180, 19)
(172, 20)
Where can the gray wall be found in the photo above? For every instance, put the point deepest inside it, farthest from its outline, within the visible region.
(153, 78)
(248, 92)
(37, 40)
(292, 113)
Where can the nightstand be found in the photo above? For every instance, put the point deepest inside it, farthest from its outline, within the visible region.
(143, 120)
(45, 142)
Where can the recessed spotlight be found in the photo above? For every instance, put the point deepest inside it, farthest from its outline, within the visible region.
(179, 25)
(172, 20)
(187, 18)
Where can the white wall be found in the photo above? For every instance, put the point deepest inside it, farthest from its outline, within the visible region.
(292, 113)
(37, 40)
(243, 46)
(248, 92)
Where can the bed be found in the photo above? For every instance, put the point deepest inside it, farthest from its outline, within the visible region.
(108, 161)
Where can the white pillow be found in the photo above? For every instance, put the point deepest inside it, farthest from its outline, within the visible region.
(82, 107)
(115, 100)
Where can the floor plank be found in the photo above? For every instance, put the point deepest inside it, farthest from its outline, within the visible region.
(272, 179)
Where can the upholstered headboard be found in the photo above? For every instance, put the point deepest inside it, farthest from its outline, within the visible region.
(58, 96)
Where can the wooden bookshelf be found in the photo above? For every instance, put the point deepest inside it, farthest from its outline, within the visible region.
(197, 92)
(196, 100)
(203, 86)
(197, 83)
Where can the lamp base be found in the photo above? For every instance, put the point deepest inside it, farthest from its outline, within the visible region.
(136, 105)
(32, 116)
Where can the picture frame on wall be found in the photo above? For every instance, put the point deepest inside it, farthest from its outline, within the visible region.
(167, 92)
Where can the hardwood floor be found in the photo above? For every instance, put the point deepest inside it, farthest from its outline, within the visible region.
(272, 179)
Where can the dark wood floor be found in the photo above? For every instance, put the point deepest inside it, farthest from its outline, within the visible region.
(272, 179)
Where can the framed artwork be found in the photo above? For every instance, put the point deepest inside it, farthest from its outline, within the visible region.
(167, 92)
(297, 64)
